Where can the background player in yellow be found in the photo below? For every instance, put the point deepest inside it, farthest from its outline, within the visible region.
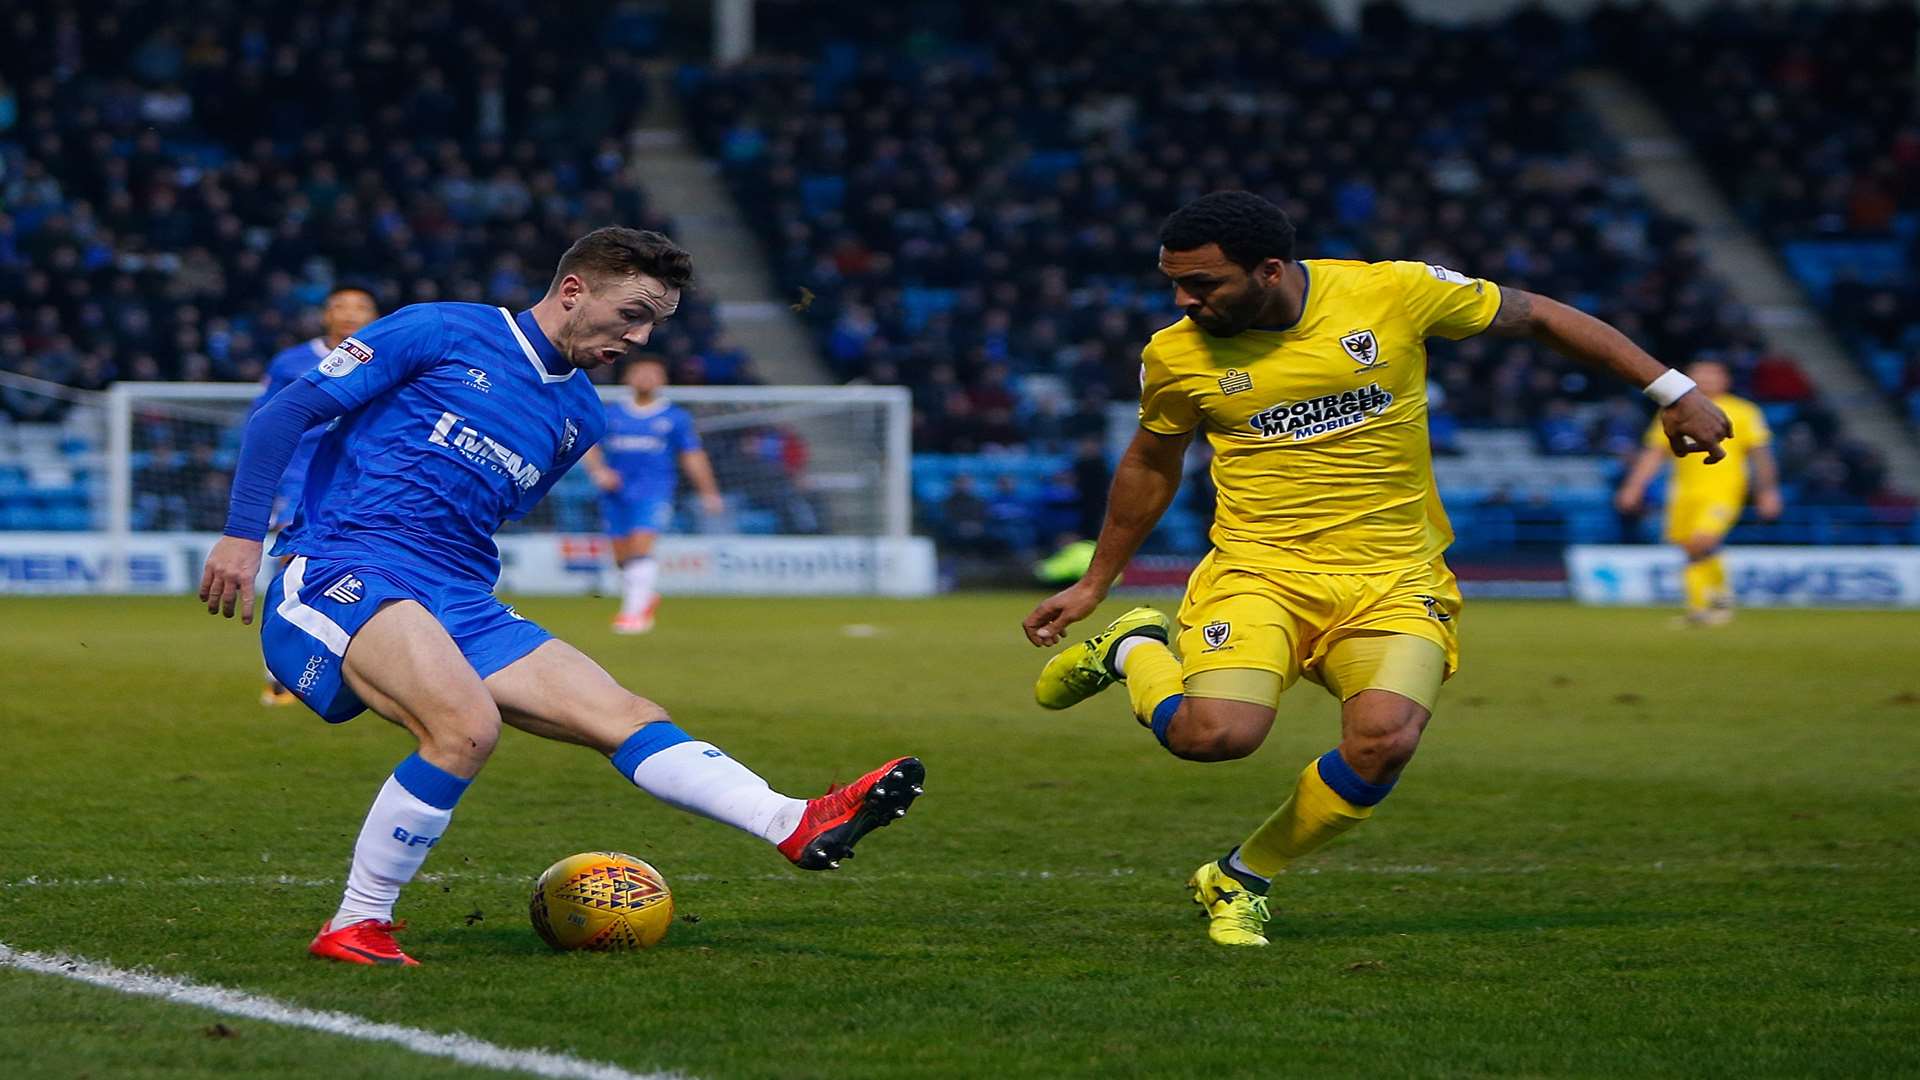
(1308, 378)
(1703, 503)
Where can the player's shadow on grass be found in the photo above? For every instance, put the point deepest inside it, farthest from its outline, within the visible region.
(1334, 926)
(765, 937)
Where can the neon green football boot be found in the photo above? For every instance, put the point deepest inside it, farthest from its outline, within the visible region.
(1083, 670)
(1235, 916)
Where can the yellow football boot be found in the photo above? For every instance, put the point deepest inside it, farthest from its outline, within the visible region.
(1234, 915)
(1083, 670)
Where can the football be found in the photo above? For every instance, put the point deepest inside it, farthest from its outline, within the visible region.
(603, 901)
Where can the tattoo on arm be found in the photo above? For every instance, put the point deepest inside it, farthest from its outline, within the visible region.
(1515, 314)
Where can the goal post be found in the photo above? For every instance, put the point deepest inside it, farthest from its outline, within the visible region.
(816, 481)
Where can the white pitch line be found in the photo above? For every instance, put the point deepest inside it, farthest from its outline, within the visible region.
(459, 1047)
(248, 881)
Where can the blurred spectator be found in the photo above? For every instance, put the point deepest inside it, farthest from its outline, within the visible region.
(963, 520)
(196, 176)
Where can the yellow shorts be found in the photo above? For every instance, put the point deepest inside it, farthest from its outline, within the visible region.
(1691, 516)
(1248, 635)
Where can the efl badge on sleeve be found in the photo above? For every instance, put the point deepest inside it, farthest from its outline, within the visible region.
(346, 358)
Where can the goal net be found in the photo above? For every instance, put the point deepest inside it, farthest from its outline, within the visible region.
(822, 462)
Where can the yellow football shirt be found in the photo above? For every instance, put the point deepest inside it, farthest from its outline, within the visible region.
(1319, 431)
(1725, 480)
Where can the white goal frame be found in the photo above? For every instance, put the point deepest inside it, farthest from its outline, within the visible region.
(895, 474)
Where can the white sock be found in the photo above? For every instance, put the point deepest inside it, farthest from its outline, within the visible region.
(399, 832)
(1233, 861)
(637, 577)
(699, 777)
(1125, 649)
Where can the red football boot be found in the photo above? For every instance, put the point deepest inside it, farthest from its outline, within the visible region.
(369, 942)
(836, 821)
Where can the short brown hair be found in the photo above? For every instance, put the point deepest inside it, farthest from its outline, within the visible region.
(617, 252)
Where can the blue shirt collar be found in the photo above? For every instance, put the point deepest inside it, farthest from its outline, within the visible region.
(550, 356)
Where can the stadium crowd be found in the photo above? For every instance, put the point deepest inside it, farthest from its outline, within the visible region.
(972, 210)
(1809, 116)
(976, 209)
(183, 182)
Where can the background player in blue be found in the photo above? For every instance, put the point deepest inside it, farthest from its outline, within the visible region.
(637, 467)
(454, 418)
(346, 309)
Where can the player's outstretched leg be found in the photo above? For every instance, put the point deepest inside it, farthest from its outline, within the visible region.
(1709, 602)
(836, 821)
(638, 601)
(1083, 670)
(558, 692)
(1235, 903)
(273, 694)
(404, 666)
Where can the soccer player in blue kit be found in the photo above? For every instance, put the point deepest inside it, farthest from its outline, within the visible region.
(649, 440)
(346, 309)
(453, 418)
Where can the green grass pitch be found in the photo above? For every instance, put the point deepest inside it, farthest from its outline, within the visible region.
(1623, 851)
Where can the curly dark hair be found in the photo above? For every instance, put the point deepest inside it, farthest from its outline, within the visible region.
(617, 252)
(1248, 228)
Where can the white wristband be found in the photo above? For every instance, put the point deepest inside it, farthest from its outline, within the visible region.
(1669, 388)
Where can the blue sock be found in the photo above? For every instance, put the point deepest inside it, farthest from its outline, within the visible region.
(430, 783)
(1163, 717)
(1348, 784)
(645, 743)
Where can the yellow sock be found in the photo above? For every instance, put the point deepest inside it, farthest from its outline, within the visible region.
(1715, 569)
(1698, 578)
(1314, 815)
(1153, 676)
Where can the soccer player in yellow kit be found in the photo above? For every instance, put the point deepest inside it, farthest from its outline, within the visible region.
(1703, 503)
(1309, 380)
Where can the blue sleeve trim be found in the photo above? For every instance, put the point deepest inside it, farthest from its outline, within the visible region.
(430, 783)
(1163, 717)
(1348, 784)
(645, 743)
(272, 436)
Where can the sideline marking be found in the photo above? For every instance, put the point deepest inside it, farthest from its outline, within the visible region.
(455, 1045)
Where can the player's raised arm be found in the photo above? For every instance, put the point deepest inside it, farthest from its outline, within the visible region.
(1766, 482)
(605, 477)
(1144, 484)
(1633, 490)
(1693, 423)
(699, 470)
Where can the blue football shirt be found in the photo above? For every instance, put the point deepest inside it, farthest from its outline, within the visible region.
(286, 366)
(456, 423)
(644, 445)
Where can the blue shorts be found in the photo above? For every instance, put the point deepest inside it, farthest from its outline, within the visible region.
(316, 606)
(625, 514)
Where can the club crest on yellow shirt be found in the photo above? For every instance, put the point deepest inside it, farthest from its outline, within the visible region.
(1216, 634)
(1364, 349)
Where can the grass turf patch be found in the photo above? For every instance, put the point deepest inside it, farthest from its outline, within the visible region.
(1621, 850)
